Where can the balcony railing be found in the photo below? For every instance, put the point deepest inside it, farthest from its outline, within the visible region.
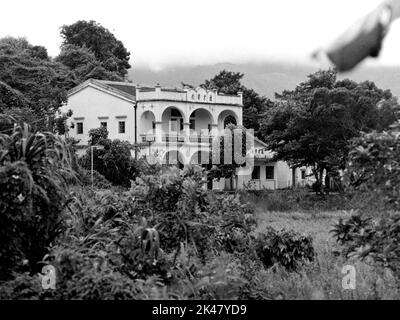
(173, 137)
(200, 139)
(179, 138)
(148, 137)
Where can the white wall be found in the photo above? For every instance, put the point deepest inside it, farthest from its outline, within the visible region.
(90, 104)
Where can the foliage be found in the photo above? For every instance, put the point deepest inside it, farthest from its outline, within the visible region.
(373, 164)
(84, 64)
(226, 156)
(97, 135)
(89, 43)
(177, 204)
(235, 223)
(286, 248)
(60, 122)
(313, 124)
(367, 238)
(10, 98)
(34, 169)
(28, 78)
(114, 161)
(99, 181)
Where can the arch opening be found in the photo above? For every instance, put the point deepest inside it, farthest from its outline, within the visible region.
(147, 126)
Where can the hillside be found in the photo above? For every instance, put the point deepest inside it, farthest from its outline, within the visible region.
(265, 78)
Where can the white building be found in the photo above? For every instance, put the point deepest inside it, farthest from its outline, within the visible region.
(175, 126)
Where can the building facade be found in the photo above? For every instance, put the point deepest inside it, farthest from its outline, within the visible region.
(172, 126)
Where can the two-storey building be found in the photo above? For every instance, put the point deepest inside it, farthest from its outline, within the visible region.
(171, 125)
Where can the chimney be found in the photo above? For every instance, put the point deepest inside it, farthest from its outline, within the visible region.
(158, 90)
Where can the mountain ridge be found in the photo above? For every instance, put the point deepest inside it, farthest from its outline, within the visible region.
(265, 78)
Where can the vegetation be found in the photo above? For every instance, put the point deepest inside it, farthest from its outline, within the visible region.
(313, 125)
(111, 158)
(92, 51)
(155, 232)
(34, 170)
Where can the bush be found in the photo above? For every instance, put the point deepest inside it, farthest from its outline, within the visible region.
(177, 204)
(286, 248)
(34, 172)
(183, 211)
(114, 161)
(377, 239)
(374, 166)
(234, 222)
(99, 181)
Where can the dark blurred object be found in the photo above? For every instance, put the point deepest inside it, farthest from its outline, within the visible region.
(364, 39)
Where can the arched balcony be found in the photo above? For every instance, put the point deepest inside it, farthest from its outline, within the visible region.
(147, 125)
(200, 123)
(172, 125)
(227, 117)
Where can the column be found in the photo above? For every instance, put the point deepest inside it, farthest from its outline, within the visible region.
(158, 131)
(186, 131)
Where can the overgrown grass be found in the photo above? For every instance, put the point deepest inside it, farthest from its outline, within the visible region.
(321, 279)
(303, 200)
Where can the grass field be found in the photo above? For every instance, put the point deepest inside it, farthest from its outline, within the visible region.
(321, 279)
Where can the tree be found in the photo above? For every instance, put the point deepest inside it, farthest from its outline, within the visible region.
(30, 79)
(313, 124)
(89, 37)
(254, 105)
(228, 153)
(84, 64)
(114, 161)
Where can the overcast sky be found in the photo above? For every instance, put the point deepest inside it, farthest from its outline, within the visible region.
(159, 33)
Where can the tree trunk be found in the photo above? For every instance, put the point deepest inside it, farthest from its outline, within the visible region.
(293, 178)
(318, 173)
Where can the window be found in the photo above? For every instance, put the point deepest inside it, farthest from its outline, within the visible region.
(153, 126)
(205, 98)
(255, 175)
(210, 98)
(79, 128)
(303, 174)
(121, 127)
(269, 172)
(103, 124)
(198, 96)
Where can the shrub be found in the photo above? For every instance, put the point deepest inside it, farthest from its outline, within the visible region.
(287, 248)
(184, 211)
(378, 239)
(234, 221)
(374, 166)
(34, 172)
(99, 181)
(177, 205)
(114, 161)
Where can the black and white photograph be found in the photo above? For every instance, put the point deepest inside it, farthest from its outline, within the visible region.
(217, 152)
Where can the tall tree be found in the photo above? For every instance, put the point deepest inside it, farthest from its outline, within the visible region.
(313, 124)
(30, 79)
(88, 38)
